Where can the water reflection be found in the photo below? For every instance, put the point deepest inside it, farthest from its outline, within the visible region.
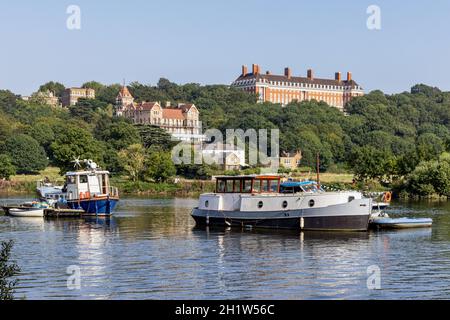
(151, 249)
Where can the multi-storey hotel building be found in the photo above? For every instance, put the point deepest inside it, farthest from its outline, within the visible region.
(287, 88)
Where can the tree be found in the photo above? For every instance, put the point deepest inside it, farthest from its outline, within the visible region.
(7, 169)
(371, 163)
(26, 154)
(119, 134)
(160, 166)
(97, 86)
(429, 146)
(108, 94)
(7, 271)
(75, 142)
(43, 133)
(133, 161)
(55, 87)
(155, 136)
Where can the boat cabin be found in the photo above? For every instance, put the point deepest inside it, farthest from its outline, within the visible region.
(248, 184)
(87, 184)
(300, 186)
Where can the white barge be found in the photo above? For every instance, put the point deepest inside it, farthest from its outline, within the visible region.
(263, 201)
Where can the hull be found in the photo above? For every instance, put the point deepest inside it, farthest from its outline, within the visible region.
(97, 207)
(352, 216)
(16, 212)
(402, 223)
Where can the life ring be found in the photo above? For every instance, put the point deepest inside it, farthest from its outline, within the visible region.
(387, 196)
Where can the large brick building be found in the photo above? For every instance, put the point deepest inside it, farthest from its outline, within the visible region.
(181, 121)
(70, 96)
(287, 88)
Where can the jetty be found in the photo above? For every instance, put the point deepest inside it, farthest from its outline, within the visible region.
(62, 213)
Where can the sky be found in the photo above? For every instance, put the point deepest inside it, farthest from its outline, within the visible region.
(207, 41)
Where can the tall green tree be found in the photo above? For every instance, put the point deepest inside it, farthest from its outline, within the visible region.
(160, 166)
(74, 143)
(133, 161)
(26, 154)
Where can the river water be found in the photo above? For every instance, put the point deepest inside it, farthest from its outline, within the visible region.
(151, 249)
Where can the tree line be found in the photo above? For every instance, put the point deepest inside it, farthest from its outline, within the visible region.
(383, 137)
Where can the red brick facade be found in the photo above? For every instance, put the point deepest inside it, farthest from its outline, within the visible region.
(287, 88)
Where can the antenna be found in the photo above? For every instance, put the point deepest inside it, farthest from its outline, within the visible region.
(76, 162)
(318, 170)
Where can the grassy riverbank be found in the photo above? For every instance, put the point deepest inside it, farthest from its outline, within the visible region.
(183, 187)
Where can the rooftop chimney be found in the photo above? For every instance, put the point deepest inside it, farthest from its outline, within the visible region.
(337, 76)
(349, 76)
(310, 74)
(244, 71)
(287, 72)
(167, 104)
(255, 69)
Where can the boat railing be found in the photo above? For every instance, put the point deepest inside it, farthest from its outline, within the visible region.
(111, 191)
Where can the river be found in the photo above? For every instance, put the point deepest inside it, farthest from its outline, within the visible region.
(151, 249)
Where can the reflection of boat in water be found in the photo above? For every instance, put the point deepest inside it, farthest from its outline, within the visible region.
(262, 201)
(88, 190)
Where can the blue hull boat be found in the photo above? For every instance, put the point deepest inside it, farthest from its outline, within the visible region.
(99, 207)
(401, 223)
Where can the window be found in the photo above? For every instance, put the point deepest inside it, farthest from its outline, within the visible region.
(206, 204)
(247, 185)
(311, 203)
(257, 186)
(265, 186)
(285, 204)
(70, 180)
(260, 204)
(83, 179)
(221, 186)
(230, 185)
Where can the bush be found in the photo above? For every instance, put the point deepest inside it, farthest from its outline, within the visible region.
(7, 270)
(7, 169)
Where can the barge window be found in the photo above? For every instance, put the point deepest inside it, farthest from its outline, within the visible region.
(221, 186)
(265, 186)
(257, 186)
(230, 185)
(247, 186)
(70, 180)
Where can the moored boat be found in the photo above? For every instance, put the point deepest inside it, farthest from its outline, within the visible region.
(402, 223)
(88, 190)
(26, 212)
(263, 201)
(28, 209)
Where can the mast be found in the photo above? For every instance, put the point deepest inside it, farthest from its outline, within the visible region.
(318, 170)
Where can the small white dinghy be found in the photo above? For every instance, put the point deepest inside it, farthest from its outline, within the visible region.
(382, 220)
(26, 212)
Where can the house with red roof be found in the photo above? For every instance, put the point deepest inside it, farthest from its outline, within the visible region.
(181, 121)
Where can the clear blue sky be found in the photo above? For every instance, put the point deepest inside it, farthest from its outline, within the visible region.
(207, 41)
